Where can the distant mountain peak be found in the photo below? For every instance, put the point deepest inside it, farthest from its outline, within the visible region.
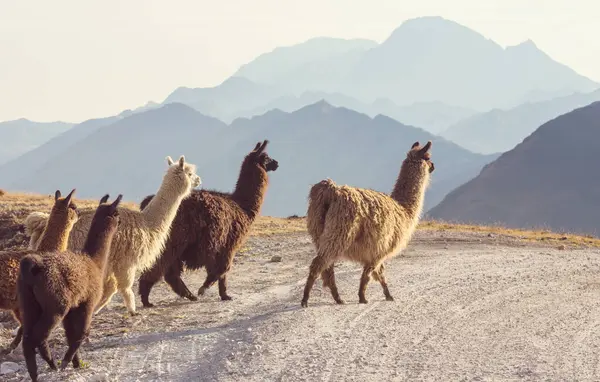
(430, 24)
(527, 45)
(319, 107)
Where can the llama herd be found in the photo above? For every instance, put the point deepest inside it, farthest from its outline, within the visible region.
(79, 258)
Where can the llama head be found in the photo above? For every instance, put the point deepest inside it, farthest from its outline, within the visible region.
(259, 157)
(182, 175)
(106, 218)
(64, 209)
(420, 156)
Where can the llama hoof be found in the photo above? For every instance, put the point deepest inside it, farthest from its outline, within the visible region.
(226, 298)
(389, 298)
(191, 297)
(64, 364)
(304, 303)
(201, 291)
(340, 302)
(132, 314)
(148, 305)
(363, 301)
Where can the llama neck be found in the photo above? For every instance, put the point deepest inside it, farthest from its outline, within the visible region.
(410, 187)
(250, 189)
(161, 211)
(97, 246)
(56, 234)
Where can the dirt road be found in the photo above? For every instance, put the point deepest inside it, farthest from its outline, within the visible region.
(467, 307)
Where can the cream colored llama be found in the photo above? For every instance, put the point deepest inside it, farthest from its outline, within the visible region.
(365, 226)
(141, 236)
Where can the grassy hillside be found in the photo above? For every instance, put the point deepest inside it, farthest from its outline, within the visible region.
(14, 208)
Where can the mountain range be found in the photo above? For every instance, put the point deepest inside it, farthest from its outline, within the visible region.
(126, 155)
(543, 182)
(501, 130)
(22, 135)
(427, 59)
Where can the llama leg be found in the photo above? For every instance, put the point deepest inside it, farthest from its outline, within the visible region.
(223, 288)
(379, 275)
(212, 275)
(328, 276)
(40, 333)
(29, 318)
(223, 266)
(77, 326)
(15, 342)
(110, 288)
(211, 278)
(125, 283)
(147, 281)
(173, 278)
(318, 265)
(364, 281)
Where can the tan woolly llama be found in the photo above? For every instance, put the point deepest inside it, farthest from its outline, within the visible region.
(141, 236)
(365, 226)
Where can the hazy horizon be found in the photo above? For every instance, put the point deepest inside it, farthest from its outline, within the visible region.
(79, 60)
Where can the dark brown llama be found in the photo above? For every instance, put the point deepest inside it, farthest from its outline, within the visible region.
(65, 286)
(209, 229)
(54, 237)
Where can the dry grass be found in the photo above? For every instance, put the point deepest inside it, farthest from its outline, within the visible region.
(15, 207)
(545, 236)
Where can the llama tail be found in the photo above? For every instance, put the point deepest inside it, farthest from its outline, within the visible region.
(331, 218)
(35, 223)
(30, 267)
(319, 200)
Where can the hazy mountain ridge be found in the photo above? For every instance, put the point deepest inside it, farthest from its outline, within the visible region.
(315, 142)
(431, 59)
(543, 182)
(22, 135)
(501, 130)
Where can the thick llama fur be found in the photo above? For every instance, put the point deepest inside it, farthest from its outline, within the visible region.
(365, 226)
(55, 238)
(209, 229)
(141, 236)
(34, 226)
(65, 286)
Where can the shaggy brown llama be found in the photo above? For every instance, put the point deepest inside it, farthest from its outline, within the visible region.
(365, 226)
(54, 238)
(142, 234)
(209, 229)
(65, 286)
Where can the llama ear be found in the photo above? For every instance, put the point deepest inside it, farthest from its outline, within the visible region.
(57, 195)
(169, 160)
(104, 199)
(115, 204)
(425, 148)
(257, 146)
(415, 145)
(181, 161)
(264, 146)
(68, 198)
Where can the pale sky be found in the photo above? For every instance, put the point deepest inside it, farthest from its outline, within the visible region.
(74, 60)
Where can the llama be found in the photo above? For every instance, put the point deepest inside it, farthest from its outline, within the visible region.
(65, 286)
(209, 229)
(34, 226)
(54, 238)
(365, 226)
(142, 234)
